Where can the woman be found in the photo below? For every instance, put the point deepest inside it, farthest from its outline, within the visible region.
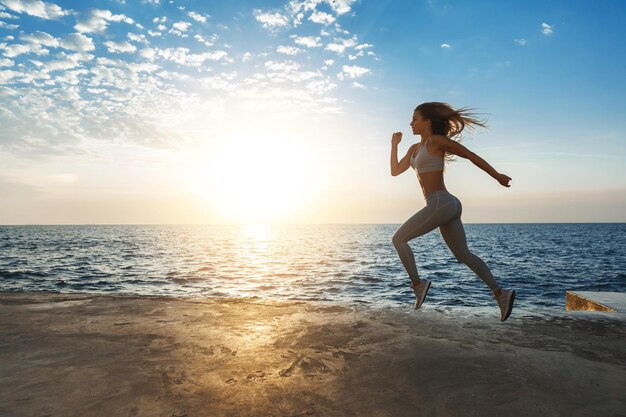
(438, 124)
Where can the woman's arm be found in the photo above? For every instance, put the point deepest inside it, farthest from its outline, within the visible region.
(398, 168)
(453, 147)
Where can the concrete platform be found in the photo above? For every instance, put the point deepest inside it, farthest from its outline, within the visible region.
(612, 302)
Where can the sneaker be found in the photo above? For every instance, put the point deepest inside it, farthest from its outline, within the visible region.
(420, 291)
(505, 302)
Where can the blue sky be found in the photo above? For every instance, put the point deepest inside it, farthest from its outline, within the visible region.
(171, 111)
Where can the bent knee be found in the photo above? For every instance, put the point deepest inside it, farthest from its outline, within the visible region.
(463, 256)
(397, 239)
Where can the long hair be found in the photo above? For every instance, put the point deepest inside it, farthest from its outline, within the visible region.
(448, 121)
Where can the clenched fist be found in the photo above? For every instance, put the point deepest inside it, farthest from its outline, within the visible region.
(396, 138)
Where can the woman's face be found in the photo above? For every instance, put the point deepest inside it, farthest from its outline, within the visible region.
(418, 124)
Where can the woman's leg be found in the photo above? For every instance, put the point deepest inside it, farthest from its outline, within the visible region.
(422, 222)
(454, 236)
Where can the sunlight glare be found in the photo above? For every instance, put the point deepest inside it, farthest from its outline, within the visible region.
(258, 177)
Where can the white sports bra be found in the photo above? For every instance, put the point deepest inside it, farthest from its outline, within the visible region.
(423, 161)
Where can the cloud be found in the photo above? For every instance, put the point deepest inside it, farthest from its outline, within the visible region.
(137, 37)
(4, 15)
(198, 17)
(36, 8)
(67, 61)
(308, 41)
(546, 29)
(445, 46)
(117, 47)
(340, 45)
(321, 17)
(521, 41)
(98, 20)
(340, 6)
(41, 38)
(352, 71)
(148, 53)
(320, 86)
(8, 26)
(181, 26)
(16, 49)
(183, 57)
(271, 20)
(288, 50)
(206, 42)
(6, 62)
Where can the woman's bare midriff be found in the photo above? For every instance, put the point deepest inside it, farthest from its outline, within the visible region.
(431, 181)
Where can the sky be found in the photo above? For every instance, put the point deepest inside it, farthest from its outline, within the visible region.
(179, 112)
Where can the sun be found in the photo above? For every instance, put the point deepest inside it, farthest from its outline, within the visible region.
(258, 177)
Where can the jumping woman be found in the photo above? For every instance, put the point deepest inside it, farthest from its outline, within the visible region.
(440, 127)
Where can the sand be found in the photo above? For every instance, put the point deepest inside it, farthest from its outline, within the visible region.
(98, 355)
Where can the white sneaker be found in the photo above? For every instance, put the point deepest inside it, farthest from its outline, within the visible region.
(505, 302)
(420, 291)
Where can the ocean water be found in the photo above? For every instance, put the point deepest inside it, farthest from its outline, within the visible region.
(337, 263)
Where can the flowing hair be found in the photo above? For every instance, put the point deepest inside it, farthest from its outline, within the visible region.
(449, 122)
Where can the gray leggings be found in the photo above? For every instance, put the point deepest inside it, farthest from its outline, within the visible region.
(442, 210)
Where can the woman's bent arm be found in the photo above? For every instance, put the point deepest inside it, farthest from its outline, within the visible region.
(398, 168)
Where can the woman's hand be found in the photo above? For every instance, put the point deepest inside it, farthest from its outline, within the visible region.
(396, 138)
(503, 179)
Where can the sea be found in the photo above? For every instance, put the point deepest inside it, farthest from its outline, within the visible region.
(344, 264)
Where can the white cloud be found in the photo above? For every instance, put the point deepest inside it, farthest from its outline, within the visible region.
(320, 86)
(329, 62)
(6, 62)
(36, 8)
(67, 61)
(271, 20)
(117, 47)
(521, 41)
(322, 18)
(286, 66)
(8, 26)
(222, 81)
(445, 46)
(363, 46)
(98, 20)
(340, 45)
(546, 29)
(77, 42)
(40, 38)
(340, 6)
(198, 17)
(147, 53)
(352, 71)
(183, 57)
(357, 85)
(153, 33)
(205, 41)
(8, 75)
(16, 49)
(246, 57)
(308, 41)
(137, 37)
(4, 15)
(288, 50)
(181, 26)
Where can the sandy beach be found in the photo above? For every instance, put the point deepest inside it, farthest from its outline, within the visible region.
(96, 355)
